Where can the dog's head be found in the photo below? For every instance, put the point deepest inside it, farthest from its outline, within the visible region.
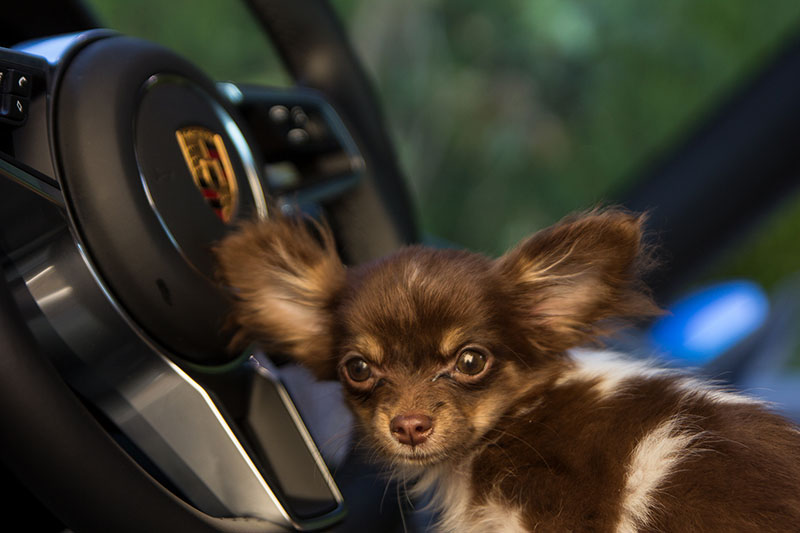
(432, 346)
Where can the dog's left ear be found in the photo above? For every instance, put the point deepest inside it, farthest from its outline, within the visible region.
(285, 275)
(571, 280)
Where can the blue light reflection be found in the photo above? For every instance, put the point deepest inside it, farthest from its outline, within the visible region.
(708, 322)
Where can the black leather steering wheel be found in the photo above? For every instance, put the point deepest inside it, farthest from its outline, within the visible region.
(122, 408)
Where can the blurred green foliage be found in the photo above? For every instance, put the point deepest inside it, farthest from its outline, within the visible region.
(220, 36)
(511, 113)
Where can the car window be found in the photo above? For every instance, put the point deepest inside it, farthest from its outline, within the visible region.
(769, 255)
(510, 114)
(220, 36)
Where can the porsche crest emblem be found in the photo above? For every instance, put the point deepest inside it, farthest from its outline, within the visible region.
(205, 155)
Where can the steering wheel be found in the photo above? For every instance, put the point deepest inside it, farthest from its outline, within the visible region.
(121, 164)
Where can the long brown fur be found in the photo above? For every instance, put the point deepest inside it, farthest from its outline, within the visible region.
(543, 438)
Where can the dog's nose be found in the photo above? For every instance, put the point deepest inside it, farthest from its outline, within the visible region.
(411, 429)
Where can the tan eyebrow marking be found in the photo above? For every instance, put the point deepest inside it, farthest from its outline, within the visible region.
(369, 346)
(452, 339)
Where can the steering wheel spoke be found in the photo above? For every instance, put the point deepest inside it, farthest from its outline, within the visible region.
(310, 158)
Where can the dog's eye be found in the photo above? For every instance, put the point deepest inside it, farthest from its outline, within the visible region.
(358, 369)
(471, 362)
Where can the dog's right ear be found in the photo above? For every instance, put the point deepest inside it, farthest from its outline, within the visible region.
(285, 277)
(580, 279)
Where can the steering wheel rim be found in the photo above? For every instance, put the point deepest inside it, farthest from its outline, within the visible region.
(31, 369)
(51, 475)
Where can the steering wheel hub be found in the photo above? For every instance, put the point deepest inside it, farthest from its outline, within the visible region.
(155, 166)
(207, 158)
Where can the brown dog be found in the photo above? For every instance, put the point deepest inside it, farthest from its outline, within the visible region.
(458, 370)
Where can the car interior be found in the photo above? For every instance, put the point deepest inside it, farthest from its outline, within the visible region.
(122, 162)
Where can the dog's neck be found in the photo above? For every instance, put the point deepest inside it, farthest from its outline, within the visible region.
(447, 490)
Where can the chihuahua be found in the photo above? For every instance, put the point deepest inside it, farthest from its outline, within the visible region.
(466, 374)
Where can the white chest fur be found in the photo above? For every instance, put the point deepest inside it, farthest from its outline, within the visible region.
(451, 494)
